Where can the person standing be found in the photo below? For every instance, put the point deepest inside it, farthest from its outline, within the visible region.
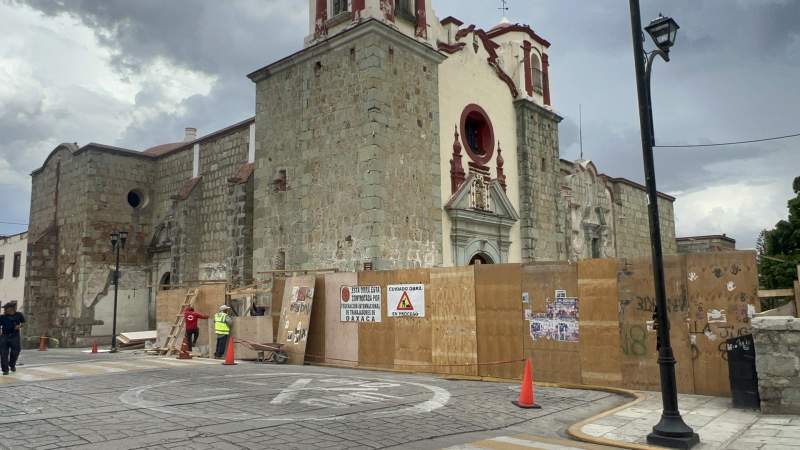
(222, 328)
(10, 325)
(190, 318)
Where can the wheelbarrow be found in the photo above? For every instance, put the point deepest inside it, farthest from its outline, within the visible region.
(267, 353)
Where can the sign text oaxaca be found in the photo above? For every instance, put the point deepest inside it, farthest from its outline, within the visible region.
(406, 300)
(360, 303)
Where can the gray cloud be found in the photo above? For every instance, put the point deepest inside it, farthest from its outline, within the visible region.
(733, 75)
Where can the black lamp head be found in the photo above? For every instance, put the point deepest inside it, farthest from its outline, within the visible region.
(663, 31)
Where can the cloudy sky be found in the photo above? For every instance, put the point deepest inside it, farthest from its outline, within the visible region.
(134, 73)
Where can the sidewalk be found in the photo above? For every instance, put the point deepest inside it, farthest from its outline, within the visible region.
(713, 418)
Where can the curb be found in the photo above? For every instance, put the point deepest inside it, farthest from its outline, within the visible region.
(575, 430)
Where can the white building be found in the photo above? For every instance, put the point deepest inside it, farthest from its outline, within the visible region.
(13, 252)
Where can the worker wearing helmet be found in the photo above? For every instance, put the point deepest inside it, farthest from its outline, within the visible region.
(222, 328)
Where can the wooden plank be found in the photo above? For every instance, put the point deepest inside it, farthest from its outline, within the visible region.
(720, 287)
(376, 340)
(640, 368)
(599, 322)
(797, 295)
(276, 302)
(412, 335)
(315, 350)
(298, 302)
(776, 293)
(553, 361)
(341, 338)
(451, 300)
(251, 328)
(498, 309)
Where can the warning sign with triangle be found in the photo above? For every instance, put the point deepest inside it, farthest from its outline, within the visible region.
(406, 300)
(405, 303)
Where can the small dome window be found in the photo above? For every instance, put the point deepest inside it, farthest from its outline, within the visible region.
(136, 199)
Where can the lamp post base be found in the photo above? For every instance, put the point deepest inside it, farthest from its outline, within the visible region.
(672, 432)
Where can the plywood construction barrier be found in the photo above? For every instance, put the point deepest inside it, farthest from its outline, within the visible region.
(341, 338)
(589, 322)
(557, 359)
(637, 330)
(722, 289)
(296, 307)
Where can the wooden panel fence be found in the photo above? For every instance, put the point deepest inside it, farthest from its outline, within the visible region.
(589, 322)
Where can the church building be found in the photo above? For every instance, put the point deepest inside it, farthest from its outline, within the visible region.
(393, 139)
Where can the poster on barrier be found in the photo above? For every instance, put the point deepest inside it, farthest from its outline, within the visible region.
(406, 300)
(360, 303)
(559, 323)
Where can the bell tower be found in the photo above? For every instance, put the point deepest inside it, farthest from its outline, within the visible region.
(330, 17)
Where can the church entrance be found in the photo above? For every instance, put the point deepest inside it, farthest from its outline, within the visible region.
(480, 258)
(164, 283)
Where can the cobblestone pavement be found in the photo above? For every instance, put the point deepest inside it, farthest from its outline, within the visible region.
(203, 404)
(713, 418)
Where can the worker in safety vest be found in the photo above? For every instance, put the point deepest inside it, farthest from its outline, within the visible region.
(222, 327)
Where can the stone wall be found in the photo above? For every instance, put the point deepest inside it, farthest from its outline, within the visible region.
(81, 195)
(778, 363)
(347, 165)
(220, 159)
(13, 287)
(701, 244)
(632, 222)
(194, 212)
(541, 210)
(54, 242)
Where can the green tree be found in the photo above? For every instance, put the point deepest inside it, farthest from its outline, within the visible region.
(779, 248)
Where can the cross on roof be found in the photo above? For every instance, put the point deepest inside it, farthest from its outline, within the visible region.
(504, 6)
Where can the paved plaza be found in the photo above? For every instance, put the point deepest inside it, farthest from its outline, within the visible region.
(713, 418)
(65, 398)
(69, 398)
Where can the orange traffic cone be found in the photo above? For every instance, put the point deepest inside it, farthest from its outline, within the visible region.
(527, 396)
(42, 344)
(184, 354)
(229, 361)
(94, 346)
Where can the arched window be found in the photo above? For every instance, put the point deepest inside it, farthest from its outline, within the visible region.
(165, 281)
(405, 9)
(480, 258)
(339, 7)
(536, 68)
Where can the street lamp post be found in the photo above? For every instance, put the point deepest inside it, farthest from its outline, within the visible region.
(671, 430)
(118, 239)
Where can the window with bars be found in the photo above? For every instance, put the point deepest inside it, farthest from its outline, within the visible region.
(17, 264)
(339, 7)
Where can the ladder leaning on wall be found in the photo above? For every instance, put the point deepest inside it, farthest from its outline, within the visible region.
(172, 343)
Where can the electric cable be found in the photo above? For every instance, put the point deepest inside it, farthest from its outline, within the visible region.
(730, 143)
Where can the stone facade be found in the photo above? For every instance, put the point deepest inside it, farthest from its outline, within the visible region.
(350, 161)
(632, 223)
(177, 224)
(701, 244)
(347, 155)
(542, 231)
(778, 363)
(13, 253)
